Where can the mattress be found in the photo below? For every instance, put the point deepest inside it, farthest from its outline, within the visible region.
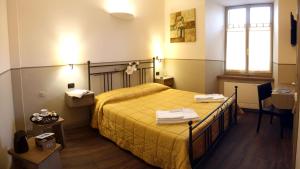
(127, 117)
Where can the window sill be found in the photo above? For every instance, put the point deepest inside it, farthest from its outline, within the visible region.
(246, 78)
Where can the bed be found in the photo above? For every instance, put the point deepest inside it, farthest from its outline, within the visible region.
(126, 116)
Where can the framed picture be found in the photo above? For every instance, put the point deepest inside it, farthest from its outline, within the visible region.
(183, 26)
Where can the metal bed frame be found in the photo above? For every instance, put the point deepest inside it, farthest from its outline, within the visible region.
(218, 114)
(126, 79)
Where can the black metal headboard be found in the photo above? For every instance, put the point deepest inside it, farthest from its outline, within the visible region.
(119, 67)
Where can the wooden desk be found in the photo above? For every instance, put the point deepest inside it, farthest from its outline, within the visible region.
(284, 101)
(56, 127)
(37, 159)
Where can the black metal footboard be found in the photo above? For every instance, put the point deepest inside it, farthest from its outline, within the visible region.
(206, 133)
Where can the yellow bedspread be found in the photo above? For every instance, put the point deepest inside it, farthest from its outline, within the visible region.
(127, 117)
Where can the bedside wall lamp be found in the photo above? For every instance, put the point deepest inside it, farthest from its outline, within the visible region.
(158, 59)
(121, 9)
(71, 66)
(123, 15)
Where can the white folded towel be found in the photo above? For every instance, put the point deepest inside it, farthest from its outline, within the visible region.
(78, 93)
(176, 116)
(209, 98)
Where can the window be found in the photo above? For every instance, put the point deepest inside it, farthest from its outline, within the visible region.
(249, 39)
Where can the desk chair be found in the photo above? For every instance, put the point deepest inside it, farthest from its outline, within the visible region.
(265, 92)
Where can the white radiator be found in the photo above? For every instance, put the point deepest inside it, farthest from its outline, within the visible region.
(247, 94)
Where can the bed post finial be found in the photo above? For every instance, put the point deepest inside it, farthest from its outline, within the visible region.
(89, 74)
(153, 61)
(236, 104)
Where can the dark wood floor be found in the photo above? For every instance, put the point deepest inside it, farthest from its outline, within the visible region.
(241, 148)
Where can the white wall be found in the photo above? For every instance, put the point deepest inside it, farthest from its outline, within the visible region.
(4, 52)
(7, 122)
(214, 30)
(58, 32)
(190, 50)
(44, 27)
(286, 53)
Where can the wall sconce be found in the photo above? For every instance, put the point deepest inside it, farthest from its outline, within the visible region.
(71, 66)
(121, 9)
(123, 15)
(158, 59)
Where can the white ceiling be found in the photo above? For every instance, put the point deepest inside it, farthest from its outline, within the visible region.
(241, 2)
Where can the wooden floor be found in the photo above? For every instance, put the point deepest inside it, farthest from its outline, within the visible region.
(241, 148)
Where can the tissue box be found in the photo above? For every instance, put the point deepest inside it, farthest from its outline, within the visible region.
(45, 141)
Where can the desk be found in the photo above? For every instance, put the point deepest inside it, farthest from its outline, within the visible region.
(284, 100)
(37, 159)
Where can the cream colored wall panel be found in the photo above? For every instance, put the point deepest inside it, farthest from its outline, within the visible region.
(214, 31)
(7, 121)
(287, 74)
(73, 31)
(45, 88)
(18, 98)
(4, 45)
(287, 53)
(247, 94)
(212, 70)
(188, 74)
(193, 50)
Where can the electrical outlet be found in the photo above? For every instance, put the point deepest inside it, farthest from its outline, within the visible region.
(71, 85)
(42, 94)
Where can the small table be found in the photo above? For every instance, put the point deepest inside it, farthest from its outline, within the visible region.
(168, 81)
(36, 158)
(284, 100)
(56, 127)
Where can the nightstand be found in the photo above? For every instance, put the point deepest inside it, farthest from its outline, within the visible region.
(56, 127)
(86, 100)
(36, 158)
(168, 81)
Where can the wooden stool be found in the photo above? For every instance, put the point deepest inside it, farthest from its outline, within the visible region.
(56, 127)
(36, 158)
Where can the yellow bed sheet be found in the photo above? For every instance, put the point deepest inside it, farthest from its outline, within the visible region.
(127, 117)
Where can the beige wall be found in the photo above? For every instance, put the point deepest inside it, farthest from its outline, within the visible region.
(189, 74)
(47, 29)
(4, 52)
(7, 121)
(284, 54)
(44, 87)
(190, 50)
(214, 44)
(214, 30)
(195, 66)
(58, 32)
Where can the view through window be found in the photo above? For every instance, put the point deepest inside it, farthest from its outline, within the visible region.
(249, 39)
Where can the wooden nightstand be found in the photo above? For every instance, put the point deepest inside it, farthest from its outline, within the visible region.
(56, 127)
(86, 100)
(168, 81)
(36, 158)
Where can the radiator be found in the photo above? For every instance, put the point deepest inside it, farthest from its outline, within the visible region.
(247, 94)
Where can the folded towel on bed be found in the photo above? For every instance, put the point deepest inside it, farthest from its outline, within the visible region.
(208, 98)
(176, 116)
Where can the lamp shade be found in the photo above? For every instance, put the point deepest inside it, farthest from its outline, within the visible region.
(123, 15)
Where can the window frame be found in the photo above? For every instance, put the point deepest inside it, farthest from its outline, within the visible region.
(247, 72)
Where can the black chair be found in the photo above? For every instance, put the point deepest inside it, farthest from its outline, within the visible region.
(265, 92)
